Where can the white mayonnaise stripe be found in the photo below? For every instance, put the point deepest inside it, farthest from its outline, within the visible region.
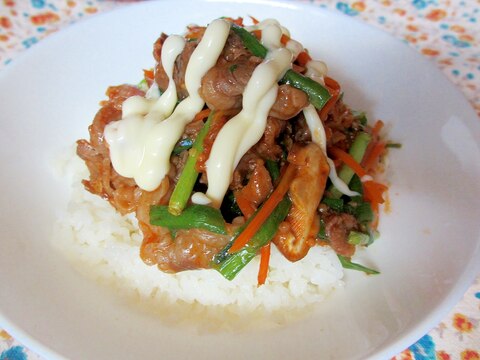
(139, 105)
(140, 146)
(244, 130)
(172, 47)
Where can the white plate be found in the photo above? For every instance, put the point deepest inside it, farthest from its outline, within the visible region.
(430, 245)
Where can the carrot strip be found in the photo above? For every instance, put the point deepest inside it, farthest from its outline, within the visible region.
(348, 160)
(148, 74)
(334, 90)
(284, 39)
(303, 58)
(373, 191)
(373, 156)
(238, 21)
(266, 209)
(375, 136)
(245, 206)
(202, 114)
(257, 33)
(377, 128)
(255, 21)
(195, 32)
(219, 119)
(264, 262)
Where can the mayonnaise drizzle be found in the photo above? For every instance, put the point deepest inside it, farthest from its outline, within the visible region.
(142, 141)
(244, 130)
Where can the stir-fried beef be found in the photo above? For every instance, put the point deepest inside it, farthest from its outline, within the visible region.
(179, 69)
(191, 249)
(289, 102)
(286, 131)
(268, 147)
(104, 180)
(337, 228)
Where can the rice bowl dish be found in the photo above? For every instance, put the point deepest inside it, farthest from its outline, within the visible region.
(378, 316)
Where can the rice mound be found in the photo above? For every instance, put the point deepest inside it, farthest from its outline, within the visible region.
(105, 244)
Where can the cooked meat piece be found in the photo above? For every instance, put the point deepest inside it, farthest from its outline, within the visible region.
(223, 85)
(268, 147)
(243, 169)
(341, 126)
(191, 249)
(337, 228)
(104, 180)
(178, 70)
(301, 132)
(289, 102)
(157, 47)
(259, 184)
(234, 48)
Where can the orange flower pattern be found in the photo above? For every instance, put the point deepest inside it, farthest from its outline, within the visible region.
(445, 31)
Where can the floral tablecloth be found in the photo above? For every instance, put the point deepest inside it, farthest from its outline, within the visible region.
(445, 31)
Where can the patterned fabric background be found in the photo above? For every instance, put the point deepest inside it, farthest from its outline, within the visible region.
(445, 31)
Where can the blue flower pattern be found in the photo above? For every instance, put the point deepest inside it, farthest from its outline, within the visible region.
(14, 353)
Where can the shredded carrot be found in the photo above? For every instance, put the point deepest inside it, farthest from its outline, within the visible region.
(373, 191)
(334, 90)
(348, 160)
(284, 39)
(369, 154)
(195, 32)
(266, 209)
(148, 74)
(257, 33)
(238, 21)
(202, 114)
(245, 206)
(219, 119)
(255, 21)
(264, 262)
(373, 156)
(377, 128)
(303, 58)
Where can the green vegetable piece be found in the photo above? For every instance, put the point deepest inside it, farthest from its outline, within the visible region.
(357, 151)
(193, 217)
(394, 145)
(317, 94)
(250, 41)
(356, 185)
(358, 238)
(189, 175)
(334, 204)
(363, 213)
(360, 116)
(229, 265)
(183, 144)
(374, 235)
(322, 232)
(232, 68)
(348, 264)
(273, 169)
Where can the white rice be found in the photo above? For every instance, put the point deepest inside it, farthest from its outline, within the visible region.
(93, 235)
